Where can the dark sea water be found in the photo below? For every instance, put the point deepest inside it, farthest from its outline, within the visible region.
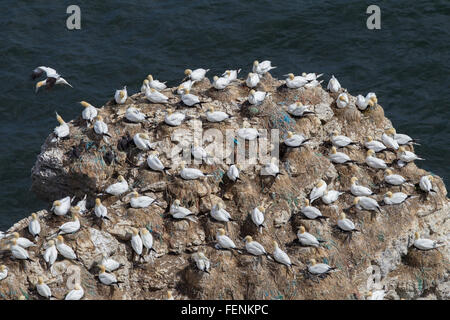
(406, 63)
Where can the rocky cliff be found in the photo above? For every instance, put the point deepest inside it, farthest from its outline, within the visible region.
(379, 257)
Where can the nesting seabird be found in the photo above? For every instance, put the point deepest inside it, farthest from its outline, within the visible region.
(319, 268)
(190, 173)
(50, 253)
(262, 67)
(307, 239)
(138, 201)
(220, 214)
(179, 212)
(231, 75)
(106, 278)
(330, 196)
(257, 97)
(21, 241)
(64, 250)
(338, 157)
(61, 207)
(311, 212)
(374, 145)
(201, 261)
(155, 96)
(345, 224)
(253, 247)
(18, 252)
(223, 241)
(280, 256)
(76, 293)
(333, 84)
(252, 80)
(118, 188)
(216, 116)
(62, 130)
(295, 82)
(34, 227)
(100, 210)
(190, 99)
(340, 140)
(71, 226)
(297, 109)
(257, 216)
(220, 83)
(120, 96)
(155, 163)
(318, 191)
(174, 118)
(358, 190)
(197, 74)
(373, 162)
(136, 242)
(233, 172)
(393, 179)
(295, 140)
(89, 111)
(155, 84)
(43, 289)
(395, 198)
(426, 183)
(142, 141)
(388, 139)
(366, 203)
(247, 133)
(342, 100)
(147, 239)
(426, 244)
(134, 115)
(407, 156)
(3, 272)
(100, 127)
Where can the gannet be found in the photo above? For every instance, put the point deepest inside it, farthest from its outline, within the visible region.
(89, 111)
(82, 205)
(76, 294)
(110, 264)
(366, 203)
(145, 85)
(330, 196)
(395, 198)
(295, 82)
(118, 188)
(134, 115)
(34, 227)
(43, 289)
(71, 226)
(345, 224)
(19, 252)
(155, 96)
(190, 99)
(179, 212)
(197, 74)
(426, 244)
(23, 242)
(307, 239)
(338, 157)
(201, 261)
(311, 76)
(216, 116)
(174, 118)
(376, 146)
(155, 84)
(231, 75)
(340, 140)
(426, 183)
(333, 84)
(252, 80)
(220, 214)
(62, 130)
(297, 109)
(403, 139)
(233, 172)
(136, 242)
(121, 95)
(138, 201)
(63, 249)
(154, 163)
(257, 216)
(61, 207)
(100, 210)
(376, 295)
(100, 127)
(388, 139)
(393, 179)
(357, 190)
(319, 268)
(220, 83)
(342, 100)
(247, 133)
(52, 78)
(361, 102)
(318, 191)
(147, 239)
(223, 241)
(311, 212)
(372, 98)
(295, 140)
(262, 67)
(257, 97)
(106, 278)
(198, 152)
(313, 84)
(190, 173)
(50, 253)
(373, 162)
(186, 85)
(254, 247)
(280, 256)
(407, 156)
(271, 168)
(3, 272)
(142, 141)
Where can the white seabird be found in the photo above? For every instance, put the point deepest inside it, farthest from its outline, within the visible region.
(100, 127)
(393, 179)
(89, 111)
(147, 239)
(50, 253)
(233, 172)
(307, 239)
(62, 130)
(106, 278)
(220, 83)
(376, 295)
(179, 212)
(34, 227)
(201, 261)
(138, 201)
(247, 133)
(297, 109)
(395, 198)
(223, 241)
(338, 157)
(295, 82)
(198, 152)
(403, 139)
(136, 242)
(43, 289)
(52, 79)
(197, 74)
(318, 191)
(155, 96)
(82, 205)
(342, 100)
(319, 268)
(295, 140)
(366, 203)
(19, 252)
(373, 162)
(271, 168)
(426, 183)
(262, 67)
(330, 196)
(155, 163)
(142, 141)
(280, 256)
(311, 76)
(23, 242)
(118, 188)
(388, 139)
(174, 118)
(63, 249)
(357, 190)
(340, 140)
(120, 96)
(361, 102)
(375, 145)
(407, 156)
(257, 216)
(220, 214)
(100, 210)
(345, 224)
(216, 116)
(186, 85)
(110, 264)
(190, 173)
(254, 247)
(61, 207)
(333, 84)
(231, 75)
(76, 293)
(155, 84)
(257, 97)
(71, 226)
(252, 80)
(426, 244)
(190, 99)
(311, 212)
(134, 115)
(145, 85)
(3, 272)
